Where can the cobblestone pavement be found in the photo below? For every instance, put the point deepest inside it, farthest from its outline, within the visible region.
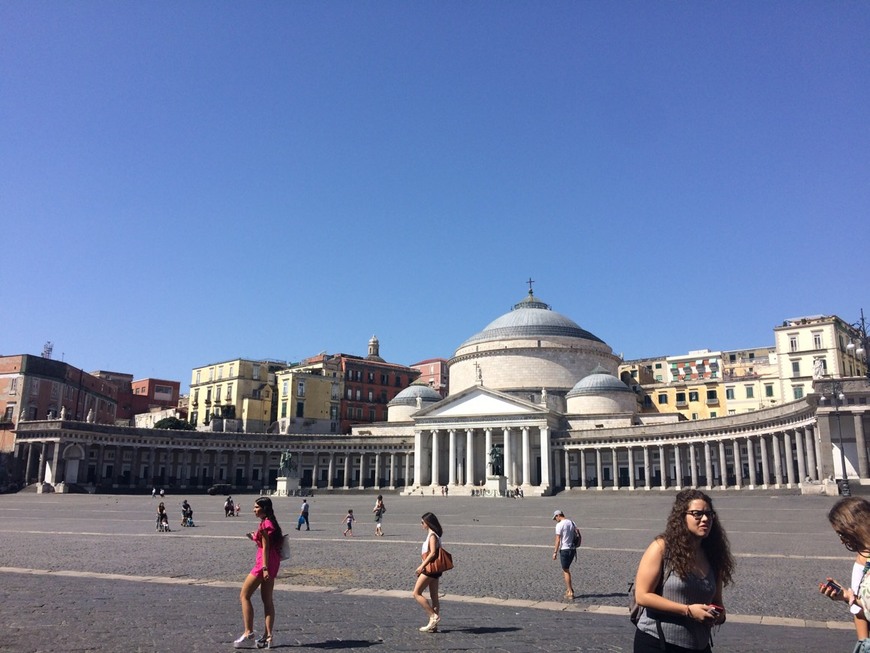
(89, 573)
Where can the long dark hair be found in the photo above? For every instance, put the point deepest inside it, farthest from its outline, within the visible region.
(679, 542)
(266, 504)
(850, 518)
(432, 523)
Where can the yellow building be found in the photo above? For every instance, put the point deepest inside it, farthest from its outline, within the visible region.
(308, 400)
(751, 380)
(235, 395)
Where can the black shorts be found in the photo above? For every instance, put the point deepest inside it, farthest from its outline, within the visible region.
(566, 557)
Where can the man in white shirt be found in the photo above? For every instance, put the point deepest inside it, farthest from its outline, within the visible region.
(563, 547)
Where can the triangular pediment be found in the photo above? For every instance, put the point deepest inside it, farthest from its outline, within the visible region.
(478, 402)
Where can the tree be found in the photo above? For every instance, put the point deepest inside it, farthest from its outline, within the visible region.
(174, 424)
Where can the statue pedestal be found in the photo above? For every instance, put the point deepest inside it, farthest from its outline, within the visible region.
(498, 483)
(286, 486)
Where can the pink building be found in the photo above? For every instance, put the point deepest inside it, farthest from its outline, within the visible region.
(433, 372)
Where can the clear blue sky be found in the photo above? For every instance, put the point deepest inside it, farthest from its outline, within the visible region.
(184, 183)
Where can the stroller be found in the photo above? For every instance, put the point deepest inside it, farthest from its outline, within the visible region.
(229, 508)
(163, 523)
(186, 515)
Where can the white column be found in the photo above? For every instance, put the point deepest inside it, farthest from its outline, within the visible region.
(750, 455)
(408, 479)
(599, 469)
(469, 457)
(545, 458)
(508, 458)
(693, 461)
(436, 455)
(527, 457)
(678, 466)
(812, 466)
(331, 471)
(488, 448)
(615, 466)
(738, 463)
(788, 459)
(362, 470)
(418, 457)
(663, 467)
(800, 446)
(451, 469)
(647, 469)
(582, 464)
(567, 469)
(392, 475)
(347, 462)
(765, 468)
(708, 465)
(630, 468)
(723, 465)
(777, 459)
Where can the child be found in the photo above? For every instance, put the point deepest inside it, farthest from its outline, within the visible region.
(348, 521)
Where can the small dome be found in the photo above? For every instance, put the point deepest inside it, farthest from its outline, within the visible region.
(530, 318)
(408, 396)
(599, 381)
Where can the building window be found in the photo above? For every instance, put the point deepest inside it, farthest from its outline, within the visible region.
(358, 394)
(768, 390)
(792, 343)
(681, 399)
(796, 368)
(285, 388)
(372, 415)
(384, 379)
(197, 377)
(398, 381)
(693, 395)
(300, 409)
(220, 372)
(729, 393)
(229, 392)
(13, 389)
(694, 415)
(211, 374)
(333, 413)
(371, 396)
(750, 392)
(34, 387)
(350, 393)
(256, 372)
(817, 341)
(7, 416)
(300, 389)
(371, 377)
(712, 396)
(335, 391)
(231, 371)
(283, 409)
(663, 399)
(713, 413)
(798, 391)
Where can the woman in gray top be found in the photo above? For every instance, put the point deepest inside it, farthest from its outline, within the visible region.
(680, 579)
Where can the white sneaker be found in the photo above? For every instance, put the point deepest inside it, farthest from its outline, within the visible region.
(245, 641)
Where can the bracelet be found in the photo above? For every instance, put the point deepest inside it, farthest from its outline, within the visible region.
(688, 612)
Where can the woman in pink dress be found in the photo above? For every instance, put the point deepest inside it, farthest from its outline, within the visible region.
(268, 539)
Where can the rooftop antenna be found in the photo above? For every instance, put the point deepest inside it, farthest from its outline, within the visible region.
(47, 348)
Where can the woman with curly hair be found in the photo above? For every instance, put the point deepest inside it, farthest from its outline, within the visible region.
(680, 579)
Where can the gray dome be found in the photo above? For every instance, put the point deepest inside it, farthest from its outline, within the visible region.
(530, 318)
(408, 396)
(600, 381)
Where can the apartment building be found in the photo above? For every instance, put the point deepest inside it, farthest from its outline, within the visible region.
(309, 400)
(239, 393)
(816, 346)
(434, 373)
(751, 379)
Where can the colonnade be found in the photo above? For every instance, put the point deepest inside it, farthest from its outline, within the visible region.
(771, 460)
(464, 457)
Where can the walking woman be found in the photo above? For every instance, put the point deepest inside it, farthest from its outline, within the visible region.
(680, 579)
(379, 511)
(429, 552)
(267, 537)
(850, 518)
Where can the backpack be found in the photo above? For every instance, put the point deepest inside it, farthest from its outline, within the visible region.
(578, 538)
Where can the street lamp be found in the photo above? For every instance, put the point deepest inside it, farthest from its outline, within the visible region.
(860, 350)
(837, 396)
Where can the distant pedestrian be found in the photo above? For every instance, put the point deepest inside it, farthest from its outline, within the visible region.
(229, 508)
(238, 509)
(162, 493)
(153, 492)
(162, 518)
(379, 511)
(563, 547)
(429, 552)
(348, 523)
(268, 538)
(303, 516)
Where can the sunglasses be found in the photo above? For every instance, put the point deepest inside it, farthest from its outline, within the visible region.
(700, 514)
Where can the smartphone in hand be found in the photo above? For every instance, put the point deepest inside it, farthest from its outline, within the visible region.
(834, 586)
(716, 610)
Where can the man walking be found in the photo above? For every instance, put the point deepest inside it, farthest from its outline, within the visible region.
(303, 516)
(563, 547)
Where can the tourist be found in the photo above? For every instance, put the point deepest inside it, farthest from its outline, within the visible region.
(379, 511)
(850, 519)
(303, 516)
(680, 579)
(563, 547)
(229, 508)
(268, 538)
(348, 523)
(429, 552)
(162, 518)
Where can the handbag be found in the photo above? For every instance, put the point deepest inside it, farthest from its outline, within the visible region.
(442, 562)
(285, 547)
(862, 646)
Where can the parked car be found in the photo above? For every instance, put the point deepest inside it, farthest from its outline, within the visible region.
(220, 488)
